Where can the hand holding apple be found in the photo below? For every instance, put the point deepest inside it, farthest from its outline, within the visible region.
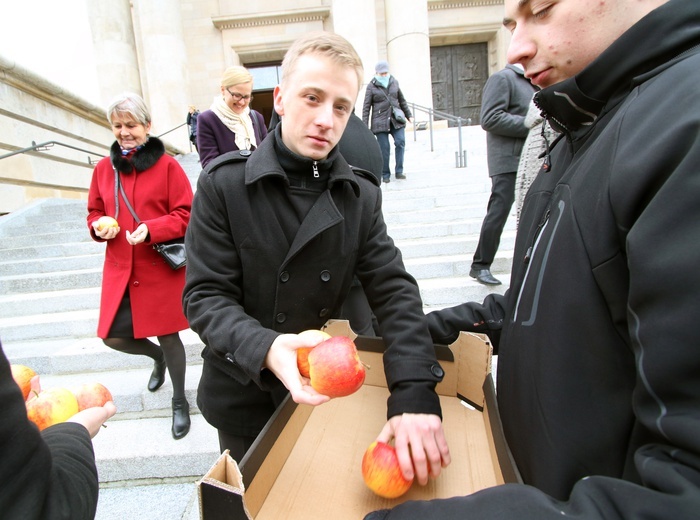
(106, 222)
(381, 471)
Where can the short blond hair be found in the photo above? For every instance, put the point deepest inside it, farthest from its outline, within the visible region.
(330, 45)
(236, 75)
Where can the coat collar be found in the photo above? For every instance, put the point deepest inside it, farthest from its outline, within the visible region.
(264, 163)
(141, 160)
(573, 105)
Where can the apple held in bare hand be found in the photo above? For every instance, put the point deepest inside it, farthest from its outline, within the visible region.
(381, 471)
(23, 375)
(89, 395)
(106, 222)
(335, 368)
(317, 336)
(52, 407)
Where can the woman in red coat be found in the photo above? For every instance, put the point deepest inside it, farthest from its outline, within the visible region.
(141, 294)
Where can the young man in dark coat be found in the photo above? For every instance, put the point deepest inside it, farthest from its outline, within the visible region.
(274, 242)
(598, 369)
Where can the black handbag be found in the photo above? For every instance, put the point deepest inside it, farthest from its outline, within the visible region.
(173, 251)
(398, 114)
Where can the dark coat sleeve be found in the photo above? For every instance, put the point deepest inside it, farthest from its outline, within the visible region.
(48, 475)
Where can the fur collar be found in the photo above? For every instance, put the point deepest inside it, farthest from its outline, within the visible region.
(142, 159)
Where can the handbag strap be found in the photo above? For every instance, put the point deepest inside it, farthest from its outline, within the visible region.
(119, 187)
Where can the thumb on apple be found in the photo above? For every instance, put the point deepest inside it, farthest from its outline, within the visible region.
(35, 388)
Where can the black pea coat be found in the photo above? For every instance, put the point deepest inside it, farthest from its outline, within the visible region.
(247, 282)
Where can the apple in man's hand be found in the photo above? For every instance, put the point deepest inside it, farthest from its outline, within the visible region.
(335, 368)
(89, 395)
(23, 375)
(317, 336)
(52, 407)
(381, 471)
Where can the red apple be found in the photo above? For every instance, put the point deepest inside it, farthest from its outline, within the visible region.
(381, 471)
(23, 377)
(91, 394)
(317, 336)
(335, 368)
(52, 407)
(105, 222)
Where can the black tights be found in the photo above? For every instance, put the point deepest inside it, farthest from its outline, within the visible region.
(170, 346)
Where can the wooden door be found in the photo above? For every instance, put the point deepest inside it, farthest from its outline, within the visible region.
(458, 74)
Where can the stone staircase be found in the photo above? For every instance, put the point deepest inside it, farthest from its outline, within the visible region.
(50, 272)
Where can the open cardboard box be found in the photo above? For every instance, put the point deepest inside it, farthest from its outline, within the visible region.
(306, 463)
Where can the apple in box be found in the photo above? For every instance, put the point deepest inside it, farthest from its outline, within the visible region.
(89, 395)
(51, 407)
(335, 368)
(381, 471)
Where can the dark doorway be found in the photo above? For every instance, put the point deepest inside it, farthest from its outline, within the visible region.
(458, 74)
(265, 78)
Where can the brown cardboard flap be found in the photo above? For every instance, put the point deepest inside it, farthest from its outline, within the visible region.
(473, 353)
(221, 492)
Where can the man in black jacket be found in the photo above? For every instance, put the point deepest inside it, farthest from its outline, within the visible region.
(274, 242)
(598, 385)
(506, 98)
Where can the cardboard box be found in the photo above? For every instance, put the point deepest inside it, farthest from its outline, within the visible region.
(306, 462)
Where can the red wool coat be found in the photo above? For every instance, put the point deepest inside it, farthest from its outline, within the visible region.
(161, 196)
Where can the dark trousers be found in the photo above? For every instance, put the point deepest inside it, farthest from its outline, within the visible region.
(497, 211)
(399, 136)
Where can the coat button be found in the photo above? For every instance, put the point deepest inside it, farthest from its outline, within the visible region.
(136, 283)
(323, 313)
(229, 358)
(281, 317)
(325, 276)
(284, 276)
(437, 371)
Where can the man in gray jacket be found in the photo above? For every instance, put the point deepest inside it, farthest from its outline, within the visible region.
(506, 97)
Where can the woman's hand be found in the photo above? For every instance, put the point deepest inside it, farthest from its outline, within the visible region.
(138, 236)
(106, 233)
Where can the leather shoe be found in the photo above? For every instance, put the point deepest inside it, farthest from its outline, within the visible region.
(181, 418)
(400, 176)
(484, 276)
(157, 376)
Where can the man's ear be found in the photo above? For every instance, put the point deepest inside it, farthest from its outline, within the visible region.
(278, 103)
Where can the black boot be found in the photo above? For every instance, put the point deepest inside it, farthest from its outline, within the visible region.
(157, 376)
(181, 418)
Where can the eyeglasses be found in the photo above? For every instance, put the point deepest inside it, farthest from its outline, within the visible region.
(237, 97)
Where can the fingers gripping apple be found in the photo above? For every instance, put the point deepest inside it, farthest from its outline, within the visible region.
(303, 353)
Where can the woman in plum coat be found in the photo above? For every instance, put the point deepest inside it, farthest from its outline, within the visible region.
(141, 294)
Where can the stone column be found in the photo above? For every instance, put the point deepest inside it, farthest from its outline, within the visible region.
(114, 47)
(408, 49)
(361, 31)
(164, 64)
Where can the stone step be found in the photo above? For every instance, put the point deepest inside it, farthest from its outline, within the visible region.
(30, 283)
(47, 251)
(27, 304)
(438, 293)
(39, 266)
(70, 355)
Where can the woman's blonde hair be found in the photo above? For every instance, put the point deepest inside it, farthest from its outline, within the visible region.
(331, 45)
(235, 76)
(129, 103)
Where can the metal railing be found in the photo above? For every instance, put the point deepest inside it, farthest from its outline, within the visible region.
(42, 147)
(460, 154)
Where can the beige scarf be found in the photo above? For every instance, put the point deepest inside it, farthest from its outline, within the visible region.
(240, 124)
